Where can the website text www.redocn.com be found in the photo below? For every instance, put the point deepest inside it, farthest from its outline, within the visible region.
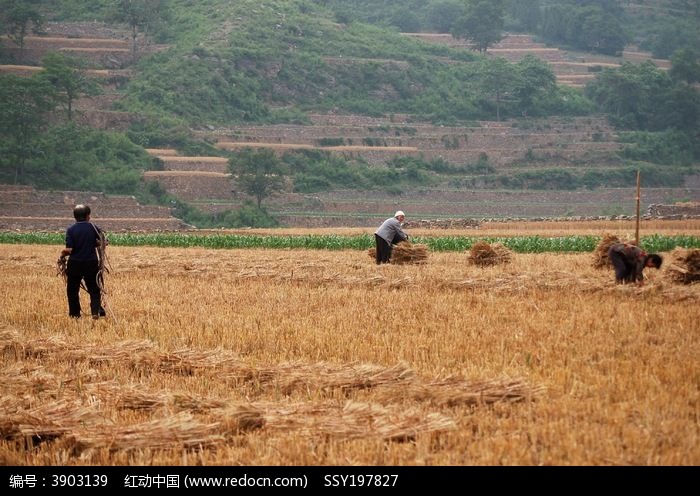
(246, 481)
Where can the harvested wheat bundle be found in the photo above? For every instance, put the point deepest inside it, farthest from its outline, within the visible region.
(136, 399)
(136, 353)
(191, 403)
(10, 405)
(36, 348)
(685, 265)
(401, 282)
(131, 352)
(45, 421)
(678, 293)
(600, 254)
(355, 420)
(456, 391)
(242, 418)
(143, 355)
(411, 424)
(404, 253)
(322, 376)
(23, 378)
(8, 337)
(483, 254)
(179, 431)
(391, 425)
(314, 420)
(187, 361)
(409, 253)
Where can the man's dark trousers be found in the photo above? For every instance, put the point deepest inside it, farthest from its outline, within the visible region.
(77, 271)
(383, 250)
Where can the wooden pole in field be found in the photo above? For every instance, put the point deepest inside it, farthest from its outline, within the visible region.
(636, 232)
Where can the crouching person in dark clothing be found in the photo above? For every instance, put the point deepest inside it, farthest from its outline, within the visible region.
(629, 262)
(82, 240)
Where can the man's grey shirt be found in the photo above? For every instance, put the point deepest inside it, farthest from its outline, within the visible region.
(390, 229)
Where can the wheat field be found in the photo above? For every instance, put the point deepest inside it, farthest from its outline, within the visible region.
(293, 357)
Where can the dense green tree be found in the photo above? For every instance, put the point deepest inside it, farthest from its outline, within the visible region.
(687, 7)
(685, 66)
(24, 104)
(406, 21)
(69, 78)
(534, 83)
(680, 109)
(442, 14)
(257, 172)
(555, 23)
(2, 31)
(668, 35)
(19, 18)
(481, 24)
(82, 158)
(613, 7)
(587, 25)
(405, 15)
(141, 15)
(525, 16)
(671, 147)
(629, 93)
(644, 97)
(497, 80)
(599, 31)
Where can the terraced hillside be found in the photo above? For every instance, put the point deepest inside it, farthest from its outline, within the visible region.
(376, 140)
(95, 111)
(205, 183)
(523, 145)
(109, 57)
(570, 68)
(107, 52)
(504, 144)
(24, 208)
(663, 7)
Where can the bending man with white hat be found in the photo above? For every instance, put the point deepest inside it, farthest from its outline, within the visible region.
(388, 234)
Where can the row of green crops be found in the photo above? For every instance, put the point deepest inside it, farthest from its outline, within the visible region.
(518, 244)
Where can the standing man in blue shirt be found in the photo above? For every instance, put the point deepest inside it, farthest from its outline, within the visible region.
(388, 234)
(82, 241)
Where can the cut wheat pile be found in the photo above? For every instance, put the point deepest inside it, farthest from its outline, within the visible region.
(483, 254)
(405, 253)
(685, 265)
(600, 254)
(409, 253)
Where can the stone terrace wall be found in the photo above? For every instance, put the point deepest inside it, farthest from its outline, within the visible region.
(103, 45)
(577, 139)
(679, 210)
(24, 208)
(190, 187)
(570, 68)
(92, 30)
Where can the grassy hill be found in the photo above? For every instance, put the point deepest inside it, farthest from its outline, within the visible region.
(209, 78)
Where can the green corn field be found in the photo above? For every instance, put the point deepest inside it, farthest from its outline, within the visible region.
(518, 244)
